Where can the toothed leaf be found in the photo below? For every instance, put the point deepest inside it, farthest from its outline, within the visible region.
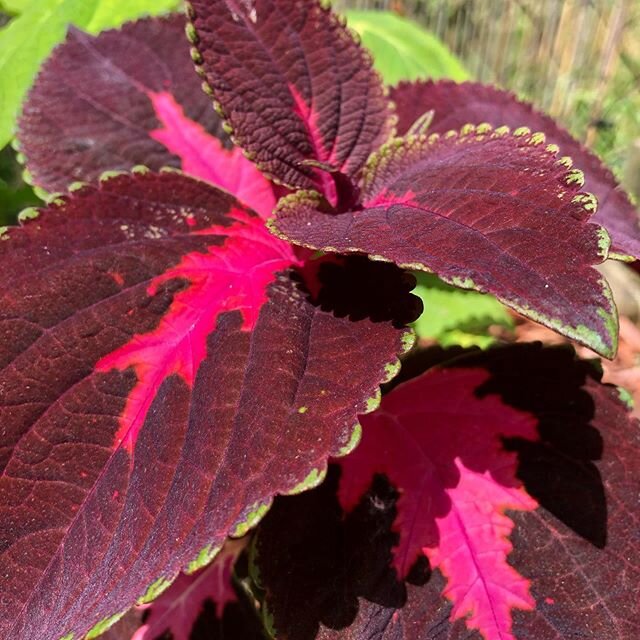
(178, 608)
(484, 210)
(293, 85)
(165, 373)
(455, 105)
(29, 38)
(570, 473)
(130, 97)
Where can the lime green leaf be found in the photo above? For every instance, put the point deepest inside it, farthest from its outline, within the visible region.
(14, 6)
(456, 316)
(28, 39)
(112, 13)
(402, 50)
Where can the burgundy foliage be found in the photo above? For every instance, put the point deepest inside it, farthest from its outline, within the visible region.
(91, 108)
(330, 574)
(469, 208)
(164, 374)
(305, 91)
(455, 105)
(169, 363)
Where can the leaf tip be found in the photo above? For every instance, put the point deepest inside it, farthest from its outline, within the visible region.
(353, 442)
(104, 625)
(588, 201)
(191, 33)
(521, 132)
(408, 339)
(391, 370)
(30, 213)
(253, 515)
(626, 398)
(313, 479)
(195, 56)
(155, 589)
(105, 176)
(574, 177)
(204, 557)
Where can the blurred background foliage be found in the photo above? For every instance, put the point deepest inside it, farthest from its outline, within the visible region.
(578, 60)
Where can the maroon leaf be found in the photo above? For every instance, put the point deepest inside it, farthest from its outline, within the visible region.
(164, 374)
(328, 575)
(294, 86)
(178, 608)
(442, 449)
(483, 209)
(455, 105)
(129, 97)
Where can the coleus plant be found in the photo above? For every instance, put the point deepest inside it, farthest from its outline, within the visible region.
(179, 347)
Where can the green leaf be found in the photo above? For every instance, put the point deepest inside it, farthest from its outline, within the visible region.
(112, 13)
(14, 6)
(15, 195)
(29, 38)
(402, 50)
(455, 316)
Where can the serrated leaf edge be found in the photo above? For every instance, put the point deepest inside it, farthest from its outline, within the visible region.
(196, 57)
(572, 179)
(255, 513)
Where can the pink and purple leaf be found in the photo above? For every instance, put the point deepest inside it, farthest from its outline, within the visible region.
(491, 497)
(165, 373)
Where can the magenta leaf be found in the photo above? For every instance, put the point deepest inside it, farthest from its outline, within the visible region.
(293, 84)
(484, 210)
(522, 426)
(205, 157)
(455, 105)
(165, 373)
(130, 97)
(178, 608)
(442, 448)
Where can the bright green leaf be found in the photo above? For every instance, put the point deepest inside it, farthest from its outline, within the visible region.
(456, 316)
(28, 39)
(14, 6)
(402, 50)
(112, 13)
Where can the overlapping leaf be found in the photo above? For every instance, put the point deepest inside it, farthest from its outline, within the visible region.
(29, 38)
(164, 373)
(91, 108)
(455, 105)
(457, 316)
(294, 86)
(178, 608)
(565, 543)
(130, 97)
(483, 209)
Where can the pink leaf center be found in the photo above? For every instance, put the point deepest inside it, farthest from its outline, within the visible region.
(203, 156)
(230, 277)
(441, 446)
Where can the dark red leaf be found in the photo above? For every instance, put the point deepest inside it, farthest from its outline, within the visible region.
(455, 105)
(293, 84)
(327, 574)
(442, 448)
(164, 374)
(130, 97)
(484, 210)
